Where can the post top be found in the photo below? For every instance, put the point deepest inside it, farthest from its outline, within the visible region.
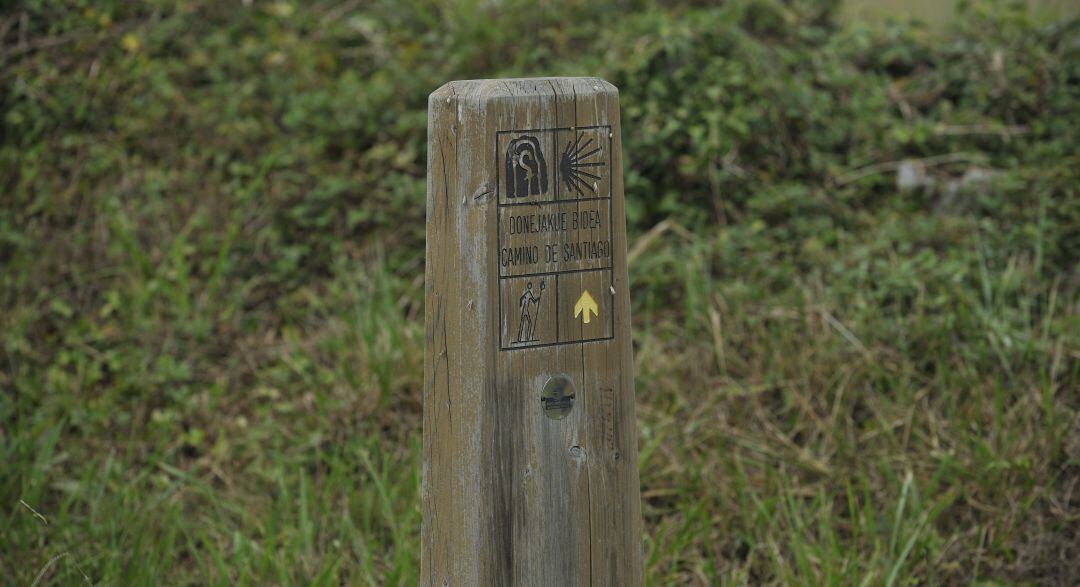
(522, 87)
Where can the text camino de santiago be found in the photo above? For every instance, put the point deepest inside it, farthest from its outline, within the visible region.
(530, 254)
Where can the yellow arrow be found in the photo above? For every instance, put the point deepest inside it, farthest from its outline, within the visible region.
(586, 304)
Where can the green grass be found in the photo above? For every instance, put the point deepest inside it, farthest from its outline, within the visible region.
(211, 291)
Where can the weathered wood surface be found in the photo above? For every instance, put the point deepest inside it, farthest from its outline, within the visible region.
(512, 495)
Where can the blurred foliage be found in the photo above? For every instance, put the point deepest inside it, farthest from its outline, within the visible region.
(211, 260)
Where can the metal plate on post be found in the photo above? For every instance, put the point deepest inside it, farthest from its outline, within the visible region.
(558, 397)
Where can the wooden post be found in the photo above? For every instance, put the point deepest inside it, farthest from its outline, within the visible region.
(530, 449)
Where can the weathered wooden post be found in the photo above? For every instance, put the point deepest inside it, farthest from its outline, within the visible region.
(530, 456)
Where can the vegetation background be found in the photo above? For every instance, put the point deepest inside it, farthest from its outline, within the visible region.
(855, 259)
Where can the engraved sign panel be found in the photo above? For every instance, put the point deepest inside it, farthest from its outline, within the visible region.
(555, 236)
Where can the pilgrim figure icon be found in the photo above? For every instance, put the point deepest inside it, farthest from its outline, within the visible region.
(526, 169)
(529, 307)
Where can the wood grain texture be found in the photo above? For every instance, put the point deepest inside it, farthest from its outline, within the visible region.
(511, 496)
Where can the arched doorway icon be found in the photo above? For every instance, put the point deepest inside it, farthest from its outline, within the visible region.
(526, 169)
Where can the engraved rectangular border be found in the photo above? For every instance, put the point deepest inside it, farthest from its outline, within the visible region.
(611, 315)
(610, 234)
(498, 219)
(498, 167)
